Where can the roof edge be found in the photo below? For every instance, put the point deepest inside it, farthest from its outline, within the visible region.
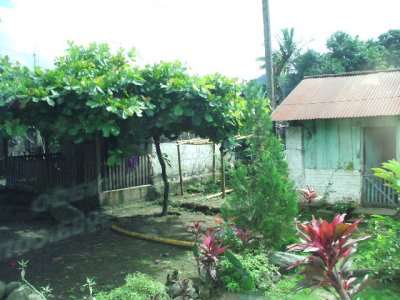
(353, 73)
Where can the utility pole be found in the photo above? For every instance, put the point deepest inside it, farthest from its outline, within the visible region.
(268, 54)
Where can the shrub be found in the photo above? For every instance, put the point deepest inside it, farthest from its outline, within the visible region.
(382, 253)
(138, 286)
(254, 265)
(264, 200)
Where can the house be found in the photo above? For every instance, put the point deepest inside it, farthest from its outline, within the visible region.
(338, 128)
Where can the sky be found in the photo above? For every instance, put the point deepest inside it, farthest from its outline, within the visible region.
(224, 36)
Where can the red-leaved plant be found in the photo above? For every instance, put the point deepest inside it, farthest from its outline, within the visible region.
(309, 194)
(195, 229)
(243, 235)
(329, 244)
(209, 252)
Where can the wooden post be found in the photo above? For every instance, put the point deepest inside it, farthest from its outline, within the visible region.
(222, 173)
(213, 162)
(180, 168)
(98, 163)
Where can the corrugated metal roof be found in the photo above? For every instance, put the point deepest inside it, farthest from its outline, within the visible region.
(351, 95)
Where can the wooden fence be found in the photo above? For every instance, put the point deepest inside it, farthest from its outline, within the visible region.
(376, 193)
(135, 171)
(39, 171)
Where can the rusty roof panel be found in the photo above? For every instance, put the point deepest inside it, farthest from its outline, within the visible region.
(351, 95)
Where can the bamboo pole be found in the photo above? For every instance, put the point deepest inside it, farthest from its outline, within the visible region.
(180, 168)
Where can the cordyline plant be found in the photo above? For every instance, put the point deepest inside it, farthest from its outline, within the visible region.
(309, 194)
(329, 244)
(209, 252)
(243, 235)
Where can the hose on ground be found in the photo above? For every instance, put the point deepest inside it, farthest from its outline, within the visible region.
(147, 237)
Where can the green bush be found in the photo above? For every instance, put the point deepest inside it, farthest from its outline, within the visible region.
(382, 252)
(254, 273)
(264, 200)
(138, 286)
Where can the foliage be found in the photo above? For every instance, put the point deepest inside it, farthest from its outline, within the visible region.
(265, 200)
(354, 54)
(346, 54)
(195, 229)
(89, 90)
(382, 253)
(247, 272)
(90, 283)
(209, 253)
(309, 194)
(328, 244)
(391, 173)
(45, 291)
(391, 41)
(92, 92)
(284, 290)
(138, 286)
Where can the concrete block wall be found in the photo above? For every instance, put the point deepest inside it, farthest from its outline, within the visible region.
(196, 160)
(339, 185)
(295, 155)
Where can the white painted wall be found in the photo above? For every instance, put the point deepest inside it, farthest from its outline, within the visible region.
(295, 155)
(337, 185)
(196, 160)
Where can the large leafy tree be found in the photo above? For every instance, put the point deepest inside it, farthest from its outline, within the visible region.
(391, 41)
(93, 92)
(346, 54)
(210, 107)
(90, 90)
(354, 54)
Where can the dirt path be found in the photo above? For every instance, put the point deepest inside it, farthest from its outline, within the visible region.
(104, 255)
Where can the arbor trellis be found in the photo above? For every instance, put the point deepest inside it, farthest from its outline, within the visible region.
(93, 92)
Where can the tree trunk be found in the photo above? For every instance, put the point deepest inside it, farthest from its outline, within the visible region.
(163, 175)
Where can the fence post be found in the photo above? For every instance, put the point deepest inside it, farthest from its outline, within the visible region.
(180, 168)
(222, 172)
(213, 162)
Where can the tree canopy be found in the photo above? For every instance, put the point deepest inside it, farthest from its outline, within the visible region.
(91, 89)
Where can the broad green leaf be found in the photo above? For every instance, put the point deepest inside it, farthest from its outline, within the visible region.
(178, 111)
(208, 118)
(196, 120)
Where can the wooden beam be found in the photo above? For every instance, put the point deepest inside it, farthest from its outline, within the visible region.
(180, 168)
(218, 194)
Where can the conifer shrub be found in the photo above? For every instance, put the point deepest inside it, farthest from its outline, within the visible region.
(264, 200)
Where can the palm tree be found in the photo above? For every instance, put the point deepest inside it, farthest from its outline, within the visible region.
(282, 58)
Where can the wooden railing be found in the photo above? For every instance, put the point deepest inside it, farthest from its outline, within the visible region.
(131, 172)
(376, 193)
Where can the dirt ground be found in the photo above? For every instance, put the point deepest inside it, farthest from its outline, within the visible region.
(104, 255)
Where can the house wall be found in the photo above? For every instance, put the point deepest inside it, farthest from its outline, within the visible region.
(333, 154)
(294, 154)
